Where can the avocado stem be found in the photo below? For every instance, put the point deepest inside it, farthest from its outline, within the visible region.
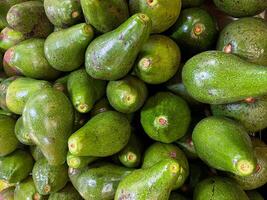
(245, 167)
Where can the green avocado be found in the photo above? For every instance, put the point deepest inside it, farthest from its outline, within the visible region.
(242, 8)
(3, 90)
(187, 145)
(218, 188)
(9, 37)
(101, 106)
(65, 49)
(225, 145)
(160, 151)
(61, 84)
(112, 55)
(48, 178)
(22, 135)
(8, 139)
(7, 194)
(63, 13)
(30, 19)
(48, 117)
(158, 60)
(16, 166)
(36, 153)
(94, 139)
(105, 16)
(191, 3)
(216, 77)
(176, 196)
(163, 13)
(165, 117)
(254, 195)
(127, 95)
(67, 193)
(27, 58)
(79, 161)
(246, 38)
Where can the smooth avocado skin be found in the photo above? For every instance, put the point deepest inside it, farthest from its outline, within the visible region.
(94, 139)
(163, 13)
(67, 193)
(218, 188)
(27, 58)
(224, 145)
(36, 153)
(7, 194)
(243, 8)
(158, 60)
(65, 49)
(165, 117)
(44, 116)
(22, 135)
(216, 77)
(8, 139)
(105, 16)
(10, 37)
(245, 38)
(79, 161)
(112, 55)
(127, 95)
(3, 90)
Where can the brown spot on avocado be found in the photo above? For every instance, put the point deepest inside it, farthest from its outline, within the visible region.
(228, 48)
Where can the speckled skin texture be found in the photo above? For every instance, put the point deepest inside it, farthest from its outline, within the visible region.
(162, 56)
(222, 143)
(47, 178)
(103, 135)
(9, 37)
(65, 49)
(112, 55)
(7, 194)
(215, 77)
(191, 3)
(21, 134)
(67, 193)
(44, 117)
(127, 95)
(175, 111)
(16, 166)
(217, 188)
(159, 151)
(105, 16)
(3, 89)
(242, 8)
(163, 13)
(8, 139)
(105, 177)
(247, 39)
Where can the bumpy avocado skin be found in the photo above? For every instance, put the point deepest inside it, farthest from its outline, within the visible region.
(9, 37)
(67, 193)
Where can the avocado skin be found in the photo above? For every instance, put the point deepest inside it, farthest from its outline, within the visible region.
(7, 194)
(206, 77)
(3, 90)
(163, 13)
(52, 179)
(254, 195)
(101, 106)
(61, 84)
(105, 16)
(67, 193)
(169, 109)
(80, 161)
(63, 13)
(176, 196)
(246, 38)
(106, 141)
(238, 8)
(9, 37)
(30, 19)
(36, 153)
(27, 58)
(158, 60)
(191, 3)
(65, 49)
(112, 55)
(8, 138)
(106, 177)
(16, 166)
(21, 134)
(187, 145)
(49, 128)
(218, 188)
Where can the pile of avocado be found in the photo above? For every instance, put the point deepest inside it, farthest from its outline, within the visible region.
(133, 99)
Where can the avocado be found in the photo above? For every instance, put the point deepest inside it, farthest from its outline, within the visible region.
(195, 31)
(218, 188)
(8, 113)
(165, 117)
(254, 195)
(48, 117)
(67, 193)
(225, 145)
(163, 13)
(211, 77)
(101, 106)
(21, 134)
(3, 90)
(176, 196)
(30, 19)
(9, 37)
(65, 49)
(48, 178)
(112, 55)
(127, 95)
(187, 145)
(238, 8)
(84, 91)
(94, 139)
(158, 60)
(79, 161)
(61, 84)
(36, 153)
(79, 120)
(63, 13)
(191, 3)
(4, 185)
(104, 176)
(27, 58)
(155, 182)
(7, 194)
(246, 38)
(16, 166)
(105, 16)
(8, 139)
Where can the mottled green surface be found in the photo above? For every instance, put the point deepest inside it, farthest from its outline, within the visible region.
(22, 135)
(10, 37)
(67, 193)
